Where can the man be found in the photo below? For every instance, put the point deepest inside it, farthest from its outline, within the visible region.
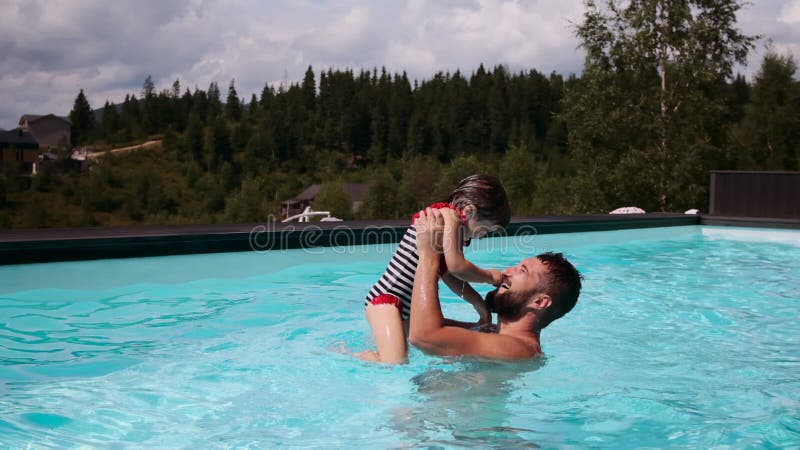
(532, 294)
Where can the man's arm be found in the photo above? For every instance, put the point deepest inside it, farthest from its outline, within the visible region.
(427, 328)
(463, 289)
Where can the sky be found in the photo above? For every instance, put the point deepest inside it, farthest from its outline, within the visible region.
(50, 49)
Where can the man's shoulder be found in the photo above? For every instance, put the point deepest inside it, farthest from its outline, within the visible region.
(504, 346)
(520, 347)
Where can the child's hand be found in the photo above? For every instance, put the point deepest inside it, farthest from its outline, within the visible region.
(452, 227)
(485, 327)
(497, 277)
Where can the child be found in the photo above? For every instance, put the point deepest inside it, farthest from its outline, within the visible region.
(478, 205)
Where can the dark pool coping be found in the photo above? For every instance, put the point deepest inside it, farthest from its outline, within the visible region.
(71, 244)
(759, 222)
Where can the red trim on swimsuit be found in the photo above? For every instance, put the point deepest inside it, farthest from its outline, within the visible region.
(388, 299)
(442, 205)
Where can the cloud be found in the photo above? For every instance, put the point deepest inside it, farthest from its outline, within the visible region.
(53, 48)
(775, 21)
(790, 13)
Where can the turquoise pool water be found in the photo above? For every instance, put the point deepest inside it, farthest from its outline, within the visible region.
(683, 337)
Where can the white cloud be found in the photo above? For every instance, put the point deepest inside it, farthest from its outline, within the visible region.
(53, 48)
(790, 13)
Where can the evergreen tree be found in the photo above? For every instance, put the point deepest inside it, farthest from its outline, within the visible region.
(233, 108)
(176, 89)
(768, 137)
(216, 145)
(192, 143)
(111, 121)
(309, 90)
(148, 87)
(213, 104)
(131, 119)
(399, 111)
(150, 116)
(252, 107)
(497, 112)
(82, 119)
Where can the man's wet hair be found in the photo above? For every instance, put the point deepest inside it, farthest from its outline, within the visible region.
(487, 194)
(562, 283)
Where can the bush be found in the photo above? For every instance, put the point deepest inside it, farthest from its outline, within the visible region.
(381, 199)
(2, 191)
(43, 181)
(518, 174)
(417, 184)
(333, 197)
(460, 168)
(249, 204)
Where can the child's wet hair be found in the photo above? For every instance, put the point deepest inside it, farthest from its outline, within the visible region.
(487, 194)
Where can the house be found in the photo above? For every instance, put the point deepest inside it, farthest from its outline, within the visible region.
(49, 130)
(306, 198)
(20, 146)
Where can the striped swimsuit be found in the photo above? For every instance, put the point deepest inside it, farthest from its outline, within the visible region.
(398, 279)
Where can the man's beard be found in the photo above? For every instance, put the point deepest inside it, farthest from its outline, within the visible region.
(506, 305)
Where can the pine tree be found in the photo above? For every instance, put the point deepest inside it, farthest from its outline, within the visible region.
(309, 90)
(111, 121)
(214, 102)
(82, 119)
(192, 144)
(150, 116)
(233, 108)
(769, 134)
(252, 107)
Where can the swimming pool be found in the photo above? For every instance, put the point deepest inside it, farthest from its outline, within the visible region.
(683, 337)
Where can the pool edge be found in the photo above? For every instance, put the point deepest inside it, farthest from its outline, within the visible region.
(76, 244)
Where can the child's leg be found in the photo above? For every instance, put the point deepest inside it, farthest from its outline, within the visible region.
(389, 333)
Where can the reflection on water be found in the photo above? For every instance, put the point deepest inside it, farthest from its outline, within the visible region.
(465, 404)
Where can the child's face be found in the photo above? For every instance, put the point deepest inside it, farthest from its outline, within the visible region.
(478, 228)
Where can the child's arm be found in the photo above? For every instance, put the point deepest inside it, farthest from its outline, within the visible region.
(453, 248)
(462, 289)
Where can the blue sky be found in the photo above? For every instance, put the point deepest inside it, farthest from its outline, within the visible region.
(53, 48)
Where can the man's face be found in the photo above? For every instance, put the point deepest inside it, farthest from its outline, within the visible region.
(519, 285)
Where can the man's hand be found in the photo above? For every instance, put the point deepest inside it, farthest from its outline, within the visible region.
(430, 227)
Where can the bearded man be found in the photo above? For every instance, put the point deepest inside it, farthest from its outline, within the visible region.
(532, 294)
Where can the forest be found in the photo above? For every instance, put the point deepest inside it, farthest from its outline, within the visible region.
(657, 106)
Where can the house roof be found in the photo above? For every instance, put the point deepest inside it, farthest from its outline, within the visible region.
(356, 191)
(17, 137)
(308, 194)
(34, 117)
